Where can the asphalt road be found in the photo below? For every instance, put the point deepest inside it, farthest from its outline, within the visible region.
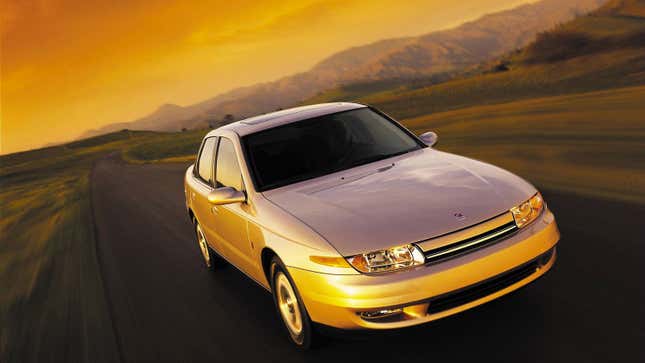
(166, 306)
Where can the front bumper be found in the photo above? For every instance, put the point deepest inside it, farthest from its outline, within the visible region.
(336, 300)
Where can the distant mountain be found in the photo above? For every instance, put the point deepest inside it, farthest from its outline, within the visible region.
(400, 58)
(167, 117)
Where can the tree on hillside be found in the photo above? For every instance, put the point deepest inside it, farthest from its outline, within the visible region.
(229, 118)
(501, 66)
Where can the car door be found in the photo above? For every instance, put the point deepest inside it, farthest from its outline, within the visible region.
(231, 219)
(204, 178)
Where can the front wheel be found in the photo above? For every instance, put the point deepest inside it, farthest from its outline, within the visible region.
(290, 307)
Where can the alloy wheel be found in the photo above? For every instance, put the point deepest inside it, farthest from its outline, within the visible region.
(288, 305)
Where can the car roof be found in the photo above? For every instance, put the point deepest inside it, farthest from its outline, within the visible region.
(270, 120)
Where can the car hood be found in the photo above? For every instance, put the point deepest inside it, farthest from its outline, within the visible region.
(409, 198)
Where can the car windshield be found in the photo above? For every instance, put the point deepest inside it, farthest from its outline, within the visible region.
(311, 148)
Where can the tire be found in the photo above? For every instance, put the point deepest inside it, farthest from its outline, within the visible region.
(208, 255)
(289, 307)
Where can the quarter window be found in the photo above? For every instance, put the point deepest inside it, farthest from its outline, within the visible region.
(228, 170)
(205, 163)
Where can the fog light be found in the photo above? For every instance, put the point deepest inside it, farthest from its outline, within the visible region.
(379, 314)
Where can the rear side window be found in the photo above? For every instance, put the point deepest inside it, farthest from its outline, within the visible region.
(205, 162)
(228, 170)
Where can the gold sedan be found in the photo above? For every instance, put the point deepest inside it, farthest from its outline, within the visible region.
(353, 222)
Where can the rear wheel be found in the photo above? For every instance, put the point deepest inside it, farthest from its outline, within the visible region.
(290, 307)
(207, 252)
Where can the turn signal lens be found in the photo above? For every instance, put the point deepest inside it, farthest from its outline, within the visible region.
(329, 261)
(528, 211)
(394, 258)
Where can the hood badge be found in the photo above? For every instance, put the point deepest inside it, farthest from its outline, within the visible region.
(460, 216)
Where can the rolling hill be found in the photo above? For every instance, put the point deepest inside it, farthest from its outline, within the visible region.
(392, 60)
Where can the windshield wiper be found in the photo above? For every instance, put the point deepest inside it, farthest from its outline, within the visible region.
(377, 157)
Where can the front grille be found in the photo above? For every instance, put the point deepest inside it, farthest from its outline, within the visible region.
(470, 244)
(477, 291)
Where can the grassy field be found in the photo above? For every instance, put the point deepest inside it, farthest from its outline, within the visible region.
(49, 272)
(166, 147)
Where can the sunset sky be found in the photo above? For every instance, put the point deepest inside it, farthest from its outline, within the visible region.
(68, 66)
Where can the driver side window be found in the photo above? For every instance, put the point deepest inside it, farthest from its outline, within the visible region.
(228, 173)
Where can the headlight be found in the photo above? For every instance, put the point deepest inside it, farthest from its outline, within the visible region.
(394, 258)
(526, 212)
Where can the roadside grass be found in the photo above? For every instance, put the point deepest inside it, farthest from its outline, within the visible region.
(589, 143)
(52, 295)
(50, 275)
(166, 147)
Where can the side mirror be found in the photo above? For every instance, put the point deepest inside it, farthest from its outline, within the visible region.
(429, 138)
(226, 195)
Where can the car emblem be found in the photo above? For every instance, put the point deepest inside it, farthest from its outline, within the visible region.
(460, 216)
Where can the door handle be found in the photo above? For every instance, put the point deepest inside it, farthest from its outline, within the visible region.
(214, 210)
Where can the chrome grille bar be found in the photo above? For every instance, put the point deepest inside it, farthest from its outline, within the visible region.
(470, 244)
